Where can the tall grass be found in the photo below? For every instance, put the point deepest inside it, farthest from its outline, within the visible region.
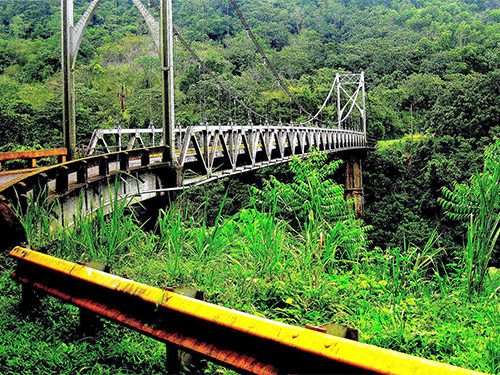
(478, 202)
(106, 234)
(38, 218)
(482, 234)
(256, 261)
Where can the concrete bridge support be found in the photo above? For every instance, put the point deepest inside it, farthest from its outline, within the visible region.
(354, 182)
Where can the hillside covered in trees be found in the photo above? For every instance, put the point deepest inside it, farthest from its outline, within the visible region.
(432, 68)
(414, 276)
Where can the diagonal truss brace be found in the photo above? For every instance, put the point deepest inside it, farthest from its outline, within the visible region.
(76, 32)
(71, 38)
(352, 99)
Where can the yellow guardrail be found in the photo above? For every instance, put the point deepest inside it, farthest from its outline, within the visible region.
(232, 338)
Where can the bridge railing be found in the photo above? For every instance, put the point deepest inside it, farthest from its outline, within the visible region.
(120, 139)
(32, 156)
(58, 179)
(232, 338)
(249, 145)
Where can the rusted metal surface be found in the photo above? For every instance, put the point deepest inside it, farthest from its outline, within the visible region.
(336, 329)
(80, 171)
(235, 339)
(33, 155)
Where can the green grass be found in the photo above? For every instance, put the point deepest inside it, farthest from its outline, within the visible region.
(399, 298)
(46, 340)
(414, 137)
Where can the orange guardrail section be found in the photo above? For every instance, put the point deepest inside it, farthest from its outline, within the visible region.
(33, 155)
(232, 338)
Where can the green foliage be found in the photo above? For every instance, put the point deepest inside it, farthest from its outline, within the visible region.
(431, 68)
(317, 205)
(313, 195)
(107, 235)
(422, 60)
(399, 298)
(402, 183)
(38, 219)
(479, 201)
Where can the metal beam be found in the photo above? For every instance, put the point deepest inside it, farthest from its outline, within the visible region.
(69, 129)
(167, 68)
(152, 24)
(232, 338)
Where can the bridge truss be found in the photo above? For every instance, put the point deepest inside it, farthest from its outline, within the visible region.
(347, 94)
(206, 152)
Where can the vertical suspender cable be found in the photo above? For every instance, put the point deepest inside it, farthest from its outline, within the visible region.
(264, 56)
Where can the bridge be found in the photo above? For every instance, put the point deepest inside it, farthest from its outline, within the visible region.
(147, 163)
(152, 162)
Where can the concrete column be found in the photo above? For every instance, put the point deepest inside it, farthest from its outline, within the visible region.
(354, 184)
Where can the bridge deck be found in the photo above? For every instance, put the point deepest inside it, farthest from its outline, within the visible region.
(204, 153)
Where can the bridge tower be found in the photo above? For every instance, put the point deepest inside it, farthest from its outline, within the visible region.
(71, 38)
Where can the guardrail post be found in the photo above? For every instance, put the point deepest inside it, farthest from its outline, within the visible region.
(32, 162)
(145, 158)
(88, 322)
(62, 182)
(173, 361)
(61, 159)
(28, 298)
(82, 173)
(124, 161)
(175, 357)
(103, 166)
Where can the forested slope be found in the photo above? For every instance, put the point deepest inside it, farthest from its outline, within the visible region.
(409, 277)
(432, 67)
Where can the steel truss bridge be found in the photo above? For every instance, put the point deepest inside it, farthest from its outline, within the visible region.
(173, 157)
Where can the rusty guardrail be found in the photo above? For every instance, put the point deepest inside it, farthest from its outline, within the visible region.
(234, 339)
(33, 155)
(61, 176)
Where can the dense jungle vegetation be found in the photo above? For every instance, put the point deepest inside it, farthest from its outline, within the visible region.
(418, 275)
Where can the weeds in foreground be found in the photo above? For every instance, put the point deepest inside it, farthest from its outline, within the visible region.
(399, 298)
(107, 235)
(478, 202)
(38, 218)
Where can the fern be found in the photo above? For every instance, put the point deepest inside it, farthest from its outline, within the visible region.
(478, 200)
(312, 193)
(315, 204)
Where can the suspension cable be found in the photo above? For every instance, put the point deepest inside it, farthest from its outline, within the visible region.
(312, 118)
(208, 71)
(213, 76)
(267, 62)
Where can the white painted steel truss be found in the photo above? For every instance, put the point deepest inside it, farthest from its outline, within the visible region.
(208, 152)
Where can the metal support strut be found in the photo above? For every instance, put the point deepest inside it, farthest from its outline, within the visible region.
(167, 65)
